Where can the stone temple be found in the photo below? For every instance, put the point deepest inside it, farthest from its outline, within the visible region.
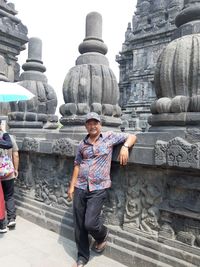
(152, 28)
(152, 209)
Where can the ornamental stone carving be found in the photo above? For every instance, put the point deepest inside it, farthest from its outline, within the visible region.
(52, 192)
(142, 204)
(177, 152)
(160, 152)
(186, 237)
(173, 76)
(90, 85)
(38, 112)
(63, 146)
(13, 37)
(30, 144)
(177, 71)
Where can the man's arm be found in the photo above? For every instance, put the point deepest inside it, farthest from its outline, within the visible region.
(15, 158)
(124, 151)
(73, 181)
(6, 142)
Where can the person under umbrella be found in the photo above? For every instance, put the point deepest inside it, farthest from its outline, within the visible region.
(10, 92)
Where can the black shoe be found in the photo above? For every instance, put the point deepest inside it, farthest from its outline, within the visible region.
(11, 223)
(3, 228)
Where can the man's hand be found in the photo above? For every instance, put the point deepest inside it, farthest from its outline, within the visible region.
(70, 192)
(123, 155)
(73, 182)
(16, 174)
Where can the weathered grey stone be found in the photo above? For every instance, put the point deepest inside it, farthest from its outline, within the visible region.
(152, 29)
(46, 147)
(13, 37)
(177, 152)
(153, 206)
(30, 144)
(45, 100)
(25, 124)
(176, 74)
(91, 84)
(4, 107)
(63, 146)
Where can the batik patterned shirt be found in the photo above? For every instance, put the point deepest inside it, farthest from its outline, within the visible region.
(95, 160)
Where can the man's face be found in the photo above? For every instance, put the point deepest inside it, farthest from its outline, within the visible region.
(93, 127)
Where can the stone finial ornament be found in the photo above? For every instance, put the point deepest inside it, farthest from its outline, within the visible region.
(3, 67)
(91, 85)
(13, 37)
(38, 112)
(176, 77)
(4, 107)
(189, 13)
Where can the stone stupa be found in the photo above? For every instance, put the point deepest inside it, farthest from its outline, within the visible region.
(90, 85)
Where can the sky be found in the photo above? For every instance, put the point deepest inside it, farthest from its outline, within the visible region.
(61, 27)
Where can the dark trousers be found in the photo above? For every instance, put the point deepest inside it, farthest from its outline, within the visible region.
(8, 190)
(2, 204)
(87, 207)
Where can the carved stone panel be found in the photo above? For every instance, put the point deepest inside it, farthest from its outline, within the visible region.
(177, 152)
(45, 178)
(63, 146)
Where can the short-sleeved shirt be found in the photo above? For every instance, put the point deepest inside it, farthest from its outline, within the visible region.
(95, 160)
(9, 152)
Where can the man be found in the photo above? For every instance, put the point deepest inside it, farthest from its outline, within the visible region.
(8, 184)
(90, 181)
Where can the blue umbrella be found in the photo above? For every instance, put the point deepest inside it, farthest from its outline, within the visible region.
(12, 92)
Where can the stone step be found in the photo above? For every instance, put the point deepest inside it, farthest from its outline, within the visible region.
(46, 214)
(132, 258)
(173, 248)
(131, 249)
(145, 251)
(44, 207)
(47, 223)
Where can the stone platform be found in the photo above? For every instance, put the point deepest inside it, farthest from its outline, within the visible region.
(30, 245)
(131, 249)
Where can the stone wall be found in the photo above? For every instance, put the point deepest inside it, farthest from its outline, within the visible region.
(150, 198)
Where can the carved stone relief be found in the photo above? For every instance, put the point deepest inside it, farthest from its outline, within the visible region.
(30, 144)
(133, 205)
(133, 201)
(177, 152)
(63, 146)
(45, 178)
(157, 201)
(115, 205)
(52, 192)
(180, 209)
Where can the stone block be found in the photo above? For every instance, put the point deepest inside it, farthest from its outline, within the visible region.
(45, 147)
